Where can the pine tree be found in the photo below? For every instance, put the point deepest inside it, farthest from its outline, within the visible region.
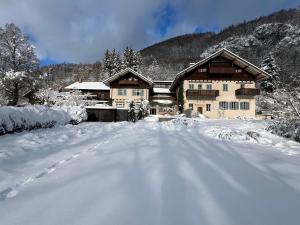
(131, 112)
(17, 62)
(269, 65)
(116, 62)
(107, 62)
(131, 59)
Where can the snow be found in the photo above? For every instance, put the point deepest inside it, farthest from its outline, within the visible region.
(166, 102)
(161, 90)
(88, 86)
(100, 106)
(30, 117)
(175, 172)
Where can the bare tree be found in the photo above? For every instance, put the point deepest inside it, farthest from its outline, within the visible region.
(17, 61)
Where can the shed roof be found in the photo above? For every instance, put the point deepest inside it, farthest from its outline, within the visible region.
(88, 86)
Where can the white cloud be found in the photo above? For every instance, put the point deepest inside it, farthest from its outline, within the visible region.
(80, 30)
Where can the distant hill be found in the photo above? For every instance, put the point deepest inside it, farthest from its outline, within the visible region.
(276, 36)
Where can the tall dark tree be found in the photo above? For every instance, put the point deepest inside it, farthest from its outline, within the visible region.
(17, 62)
(180, 97)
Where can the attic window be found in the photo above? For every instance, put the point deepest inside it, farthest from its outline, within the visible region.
(202, 70)
(238, 70)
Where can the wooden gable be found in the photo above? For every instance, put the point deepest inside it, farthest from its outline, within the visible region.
(219, 68)
(129, 80)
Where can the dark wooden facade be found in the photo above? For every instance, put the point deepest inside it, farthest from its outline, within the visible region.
(130, 80)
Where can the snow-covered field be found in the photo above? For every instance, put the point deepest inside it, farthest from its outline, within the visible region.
(177, 172)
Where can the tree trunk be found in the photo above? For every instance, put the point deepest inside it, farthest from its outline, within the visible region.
(15, 95)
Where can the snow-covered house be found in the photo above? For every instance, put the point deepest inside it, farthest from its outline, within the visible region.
(223, 85)
(96, 90)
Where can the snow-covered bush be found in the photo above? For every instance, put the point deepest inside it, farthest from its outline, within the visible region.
(286, 128)
(77, 113)
(138, 111)
(14, 119)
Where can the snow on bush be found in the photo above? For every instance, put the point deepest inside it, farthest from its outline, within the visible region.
(286, 128)
(77, 113)
(15, 119)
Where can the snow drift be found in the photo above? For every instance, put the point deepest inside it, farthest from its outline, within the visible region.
(16, 119)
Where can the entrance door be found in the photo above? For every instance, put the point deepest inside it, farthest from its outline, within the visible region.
(200, 110)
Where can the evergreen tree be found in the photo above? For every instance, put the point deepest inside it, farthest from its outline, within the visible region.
(18, 61)
(107, 62)
(269, 65)
(131, 59)
(131, 112)
(116, 62)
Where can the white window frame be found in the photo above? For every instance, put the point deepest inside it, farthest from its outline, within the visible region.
(244, 105)
(223, 105)
(138, 92)
(120, 105)
(234, 106)
(191, 86)
(225, 87)
(208, 107)
(122, 92)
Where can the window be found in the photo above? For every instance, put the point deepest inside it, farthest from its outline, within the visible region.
(202, 70)
(209, 86)
(199, 86)
(244, 106)
(138, 92)
(120, 105)
(208, 106)
(191, 106)
(242, 85)
(238, 70)
(225, 87)
(191, 86)
(223, 105)
(122, 92)
(234, 105)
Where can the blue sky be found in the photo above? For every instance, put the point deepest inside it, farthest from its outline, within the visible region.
(81, 30)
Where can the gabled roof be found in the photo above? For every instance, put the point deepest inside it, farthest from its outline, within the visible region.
(237, 60)
(88, 86)
(124, 72)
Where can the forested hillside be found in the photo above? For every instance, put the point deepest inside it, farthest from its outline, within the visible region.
(275, 37)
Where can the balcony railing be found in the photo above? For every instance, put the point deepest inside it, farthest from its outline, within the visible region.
(247, 91)
(226, 70)
(129, 82)
(202, 93)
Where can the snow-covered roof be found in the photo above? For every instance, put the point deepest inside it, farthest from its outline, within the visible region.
(162, 81)
(166, 102)
(237, 60)
(124, 72)
(161, 90)
(88, 86)
(99, 106)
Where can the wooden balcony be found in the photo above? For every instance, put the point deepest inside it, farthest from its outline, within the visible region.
(128, 82)
(224, 70)
(202, 93)
(247, 92)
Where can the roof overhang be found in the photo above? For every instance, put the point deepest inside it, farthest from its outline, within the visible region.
(124, 72)
(258, 73)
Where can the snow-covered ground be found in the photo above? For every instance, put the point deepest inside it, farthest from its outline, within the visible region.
(177, 172)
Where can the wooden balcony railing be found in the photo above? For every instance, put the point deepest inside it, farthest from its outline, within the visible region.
(225, 70)
(247, 91)
(129, 82)
(202, 93)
